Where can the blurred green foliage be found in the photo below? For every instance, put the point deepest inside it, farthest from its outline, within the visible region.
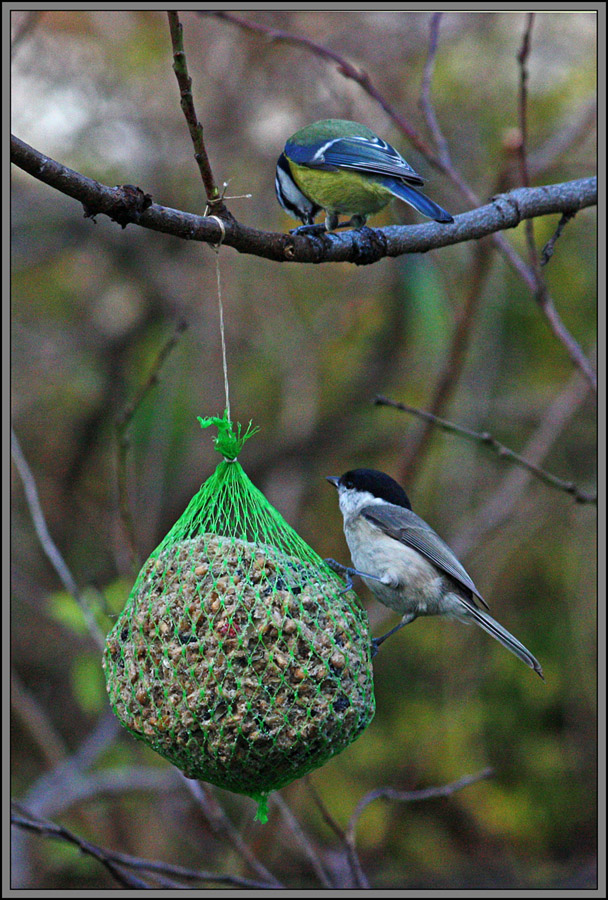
(308, 348)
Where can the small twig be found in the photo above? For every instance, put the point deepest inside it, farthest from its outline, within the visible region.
(539, 285)
(325, 813)
(425, 102)
(522, 58)
(500, 449)
(305, 843)
(221, 824)
(497, 508)
(389, 793)
(122, 423)
(48, 545)
(21, 818)
(352, 858)
(550, 245)
(38, 724)
(117, 862)
(180, 67)
(545, 302)
(344, 68)
(447, 379)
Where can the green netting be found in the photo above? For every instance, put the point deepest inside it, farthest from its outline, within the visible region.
(237, 658)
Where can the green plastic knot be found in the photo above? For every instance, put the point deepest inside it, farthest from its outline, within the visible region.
(227, 442)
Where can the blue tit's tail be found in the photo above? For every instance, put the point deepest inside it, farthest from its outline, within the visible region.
(416, 199)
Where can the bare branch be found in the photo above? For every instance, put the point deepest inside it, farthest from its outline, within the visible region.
(361, 247)
(425, 92)
(22, 819)
(180, 67)
(522, 58)
(123, 421)
(221, 824)
(302, 838)
(46, 542)
(501, 450)
(550, 245)
(389, 793)
(496, 510)
(116, 863)
(447, 379)
(344, 68)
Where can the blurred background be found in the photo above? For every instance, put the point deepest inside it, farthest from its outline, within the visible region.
(455, 330)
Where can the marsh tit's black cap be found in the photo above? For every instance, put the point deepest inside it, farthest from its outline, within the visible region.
(373, 482)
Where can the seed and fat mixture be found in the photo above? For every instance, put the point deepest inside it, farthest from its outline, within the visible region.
(243, 666)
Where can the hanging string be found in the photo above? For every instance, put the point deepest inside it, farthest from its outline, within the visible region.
(216, 247)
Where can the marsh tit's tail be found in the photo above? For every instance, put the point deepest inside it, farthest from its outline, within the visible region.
(501, 634)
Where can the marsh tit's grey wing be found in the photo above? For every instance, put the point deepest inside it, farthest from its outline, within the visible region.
(405, 526)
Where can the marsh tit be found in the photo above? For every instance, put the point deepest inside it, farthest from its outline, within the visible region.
(343, 168)
(405, 563)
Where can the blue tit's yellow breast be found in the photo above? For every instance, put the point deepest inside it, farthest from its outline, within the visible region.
(341, 191)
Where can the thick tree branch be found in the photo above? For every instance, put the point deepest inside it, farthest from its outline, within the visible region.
(124, 204)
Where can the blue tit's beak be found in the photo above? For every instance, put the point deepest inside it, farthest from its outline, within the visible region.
(333, 479)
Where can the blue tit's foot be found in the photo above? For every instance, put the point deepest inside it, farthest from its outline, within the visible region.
(315, 229)
(358, 222)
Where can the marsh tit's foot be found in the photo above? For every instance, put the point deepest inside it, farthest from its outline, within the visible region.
(348, 571)
(376, 642)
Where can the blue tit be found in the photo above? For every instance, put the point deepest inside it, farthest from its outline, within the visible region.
(343, 168)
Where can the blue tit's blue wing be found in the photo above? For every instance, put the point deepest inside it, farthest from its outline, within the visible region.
(405, 526)
(363, 154)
